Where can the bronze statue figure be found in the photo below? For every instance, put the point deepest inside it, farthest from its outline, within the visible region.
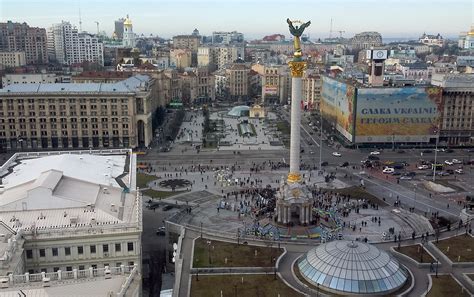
(297, 32)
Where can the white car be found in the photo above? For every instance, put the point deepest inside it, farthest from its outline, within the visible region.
(456, 161)
(406, 177)
(447, 162)
(375, 153)
(459, 171)
(423, 167)
(336, 154)
(388, 170)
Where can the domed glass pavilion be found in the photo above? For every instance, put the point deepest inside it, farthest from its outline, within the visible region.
(239, 111)
(347, 267)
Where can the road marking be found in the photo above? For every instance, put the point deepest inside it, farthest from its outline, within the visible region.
(400, 194)
(317, 144)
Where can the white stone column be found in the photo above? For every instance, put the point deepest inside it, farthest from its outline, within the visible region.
(296, 97)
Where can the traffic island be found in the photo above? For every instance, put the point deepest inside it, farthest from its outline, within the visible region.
(240, 285)
(417, 253)
(445, 285)
(212, 253)
(457, 249)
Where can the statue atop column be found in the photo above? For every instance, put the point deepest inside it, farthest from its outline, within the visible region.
(297, 32)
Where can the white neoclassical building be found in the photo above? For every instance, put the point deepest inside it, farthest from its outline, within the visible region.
(69, 216)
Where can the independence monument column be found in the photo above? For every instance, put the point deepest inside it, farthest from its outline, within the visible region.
(297, 66)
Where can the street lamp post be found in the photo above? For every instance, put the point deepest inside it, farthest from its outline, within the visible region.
(320, 140)
(437, 262)
(414, 200)
(436, 155)
(209, 250)
(201, 230)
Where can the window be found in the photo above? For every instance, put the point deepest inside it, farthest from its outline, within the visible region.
(118, 247)
(42, 253)
(55, 252)
(68, 268)
(67, 251)
(29, 254)
(105, 248)
(80, 250)
(81, 267)
(55, 269)
(92, 247)
(130, 246)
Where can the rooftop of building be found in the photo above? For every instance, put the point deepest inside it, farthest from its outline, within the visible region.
(130, 85)
(103, 74)
(74, 189)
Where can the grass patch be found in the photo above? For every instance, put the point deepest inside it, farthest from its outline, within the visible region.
(416, 252)
(231, 285)
(284, 127)
(160, 194)
(460, 245)
(143, 179)
(358, 193)
(447, 183)
(241, 255)
(445, 285)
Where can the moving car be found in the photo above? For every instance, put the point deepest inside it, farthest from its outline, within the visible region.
(371, 157)
(325, 163)
(456, 161)
(459, 171)
(423, 167)
(161, 231)
(336, 154)
(375, 153)
(388, 170)
(167, 207)
(345, 164)
(447, 162)
(406, 177)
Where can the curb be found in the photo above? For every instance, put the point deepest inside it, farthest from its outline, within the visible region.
(413, 261)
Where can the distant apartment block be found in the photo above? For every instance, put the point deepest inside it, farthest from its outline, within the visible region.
(21, 37)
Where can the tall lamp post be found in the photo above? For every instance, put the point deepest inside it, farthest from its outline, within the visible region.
(414, 200)
(320, 140)
(436, 155)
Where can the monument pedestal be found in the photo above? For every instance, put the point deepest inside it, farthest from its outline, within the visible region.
(294, 199)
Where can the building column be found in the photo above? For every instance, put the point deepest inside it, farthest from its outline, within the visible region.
(296, 92)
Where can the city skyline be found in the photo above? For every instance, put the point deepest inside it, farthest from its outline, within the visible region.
(159, 18)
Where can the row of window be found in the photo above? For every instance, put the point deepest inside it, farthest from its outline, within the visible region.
(72, 100)
(80, 250)
(79, 267)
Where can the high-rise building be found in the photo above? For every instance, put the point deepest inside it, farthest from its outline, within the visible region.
(119, 28)
(238, 85)
(21, 37)
(227, 37)
(218, 57)
(67, 46)
(129, 39)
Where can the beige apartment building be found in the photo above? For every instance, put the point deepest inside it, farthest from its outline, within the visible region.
(78, 115)
(180, 58)
(312, 87)
(238, 82)
(198, 86)
(190, 42)
(12, 59)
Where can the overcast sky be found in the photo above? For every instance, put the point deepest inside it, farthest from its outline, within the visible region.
(254, 18)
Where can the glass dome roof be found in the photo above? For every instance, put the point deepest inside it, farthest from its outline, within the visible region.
(354, 267)
(239, 111)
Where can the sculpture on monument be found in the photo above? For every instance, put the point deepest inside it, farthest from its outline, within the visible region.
(297, 32)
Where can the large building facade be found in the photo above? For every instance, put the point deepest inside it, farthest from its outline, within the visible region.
(21, 37)
(90, 115)
(366, 40)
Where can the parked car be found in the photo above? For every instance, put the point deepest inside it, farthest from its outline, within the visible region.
(423, 167)
(406, 177)
(456, 161)
(336, 154)
(325, 163)
(397, 173)
(401, 151)
(411, 173)
(427, 151)
(167, 207)
(375, 153)
(345, 164)
(459, 171)
(449, 151)
(447, 162)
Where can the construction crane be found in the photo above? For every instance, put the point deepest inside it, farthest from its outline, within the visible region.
(97, 27)
(340, 33)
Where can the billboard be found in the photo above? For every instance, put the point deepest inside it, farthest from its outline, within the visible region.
(337, 105)
(270, 90)
(407, 114)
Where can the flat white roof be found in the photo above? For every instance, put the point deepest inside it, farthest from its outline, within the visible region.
(68, 191)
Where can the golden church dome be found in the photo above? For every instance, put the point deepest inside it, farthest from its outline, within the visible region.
(127, 22)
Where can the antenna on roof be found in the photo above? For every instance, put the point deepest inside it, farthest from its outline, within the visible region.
(80, 19)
